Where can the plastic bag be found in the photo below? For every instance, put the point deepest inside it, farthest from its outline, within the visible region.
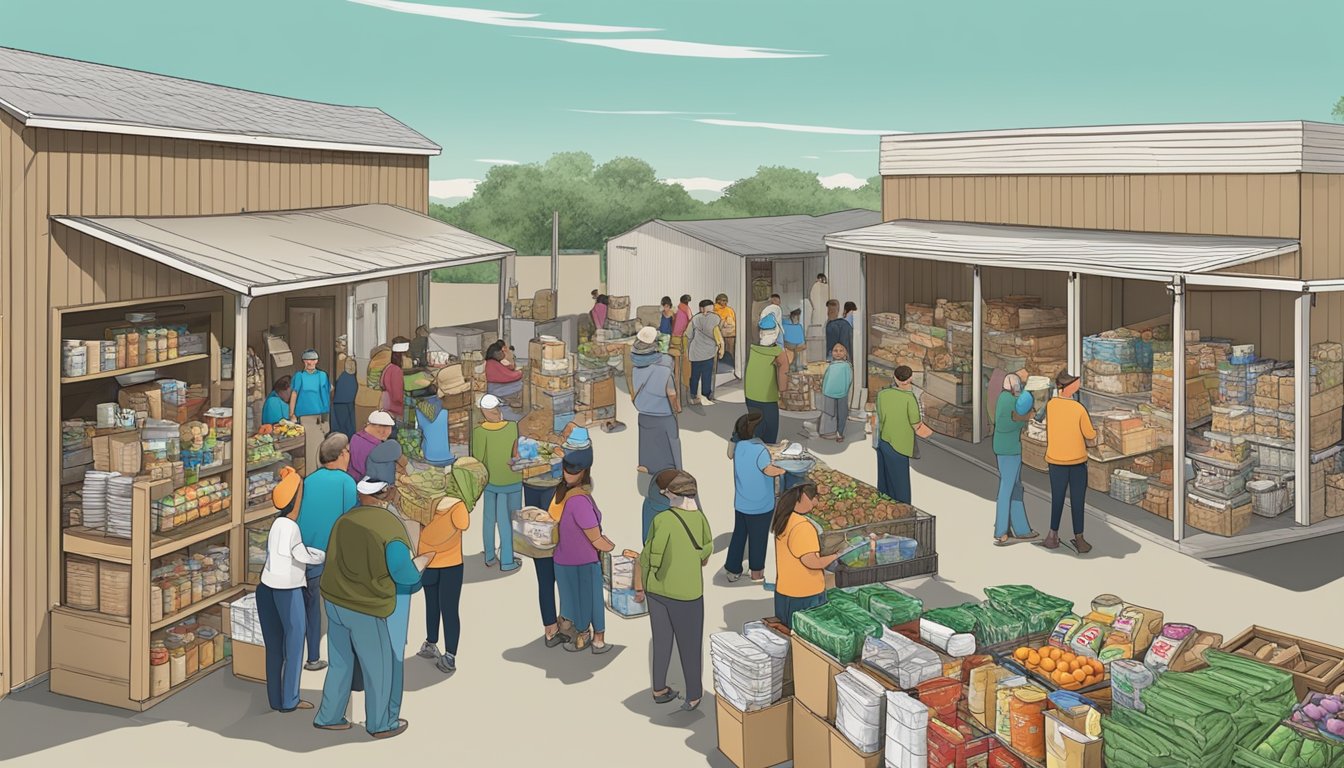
(823, 627)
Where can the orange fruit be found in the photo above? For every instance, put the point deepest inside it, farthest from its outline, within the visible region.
(1048, 665)
(1097, 666)
(1079, 676)
(1033, 659)
(1021, 653)
(1055, 653)
(1067, 656)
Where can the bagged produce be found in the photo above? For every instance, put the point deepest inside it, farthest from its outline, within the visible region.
(955, 644)
(956, 618)
(889, 606)
(993, 627)
(825, 628)
(1088, 639)
(1128, 679)
(1167, 646)
(1039, 611)
(860, 620)
(901, 659)
(1288, 746)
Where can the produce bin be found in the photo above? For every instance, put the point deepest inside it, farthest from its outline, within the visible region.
(916, 525)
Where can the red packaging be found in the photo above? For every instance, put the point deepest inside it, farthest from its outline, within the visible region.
(999, 757)
(951, 747)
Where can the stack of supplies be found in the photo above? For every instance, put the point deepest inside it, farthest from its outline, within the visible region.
(859, 709)
(904, 661)
(743, 673)
(907, 742)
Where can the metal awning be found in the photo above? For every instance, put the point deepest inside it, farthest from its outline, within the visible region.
(256, 254)
(1132, 255)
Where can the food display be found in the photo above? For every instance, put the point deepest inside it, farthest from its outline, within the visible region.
(189, 504)
(1066, 670)
(844, 502)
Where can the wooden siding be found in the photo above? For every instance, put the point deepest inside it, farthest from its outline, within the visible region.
(45, 173)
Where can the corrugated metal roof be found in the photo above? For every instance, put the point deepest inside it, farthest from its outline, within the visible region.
(53, 92)
(263, 253)
(773, 235)
(1137, 255)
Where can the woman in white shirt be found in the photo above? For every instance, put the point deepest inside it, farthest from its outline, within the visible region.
(280, 596)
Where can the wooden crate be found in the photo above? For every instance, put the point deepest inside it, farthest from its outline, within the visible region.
(1033, 455)
(1158, 499)
(1217, 517)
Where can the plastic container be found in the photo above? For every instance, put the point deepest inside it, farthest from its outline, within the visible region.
(1027, 714)
(1128, 679)
(1108, 605)
(1267, 497)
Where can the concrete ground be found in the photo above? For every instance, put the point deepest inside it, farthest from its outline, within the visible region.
(514, 702)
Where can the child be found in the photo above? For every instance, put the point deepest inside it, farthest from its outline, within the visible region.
(794, 340)
(835, 387)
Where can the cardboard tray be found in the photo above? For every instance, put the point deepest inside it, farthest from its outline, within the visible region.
(1313, 653)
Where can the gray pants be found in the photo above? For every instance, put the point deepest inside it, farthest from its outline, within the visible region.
(684, 621)
(834, 416)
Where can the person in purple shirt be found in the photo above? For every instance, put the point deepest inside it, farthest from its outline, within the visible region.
(577, 570)
(373, 453)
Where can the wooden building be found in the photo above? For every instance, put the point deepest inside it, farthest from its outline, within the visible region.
(123, 191)
(1232, 230)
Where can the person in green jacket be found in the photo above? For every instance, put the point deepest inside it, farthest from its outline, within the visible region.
(670, 578)
(494, 443)
(766, 376)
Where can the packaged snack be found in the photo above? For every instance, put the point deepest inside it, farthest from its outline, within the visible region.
(1060, 634)
(1167, 647)
(1088, 639)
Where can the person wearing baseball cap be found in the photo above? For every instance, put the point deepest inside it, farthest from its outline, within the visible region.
(373, 452)
(577, 554)
(310, 401)
(1068, 429)
(766, 376)
(371, 552)
(654, 393)
(494, 443)
(328, 493)
(280, 596)
(728, 326)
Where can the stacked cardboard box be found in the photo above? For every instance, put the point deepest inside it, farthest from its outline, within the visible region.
(618, 307)
(1119, 362)
(1125, 432)
(801, 392)
(552, 382)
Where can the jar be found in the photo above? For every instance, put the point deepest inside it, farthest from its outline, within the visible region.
(1027, 713)
(1003, 698)
(206, 652)
(177, 666)
(192, 659)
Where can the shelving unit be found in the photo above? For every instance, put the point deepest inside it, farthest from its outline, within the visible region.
(135, 369)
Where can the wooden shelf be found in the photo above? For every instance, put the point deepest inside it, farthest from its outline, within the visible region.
(79, 540)
(192, 533)
(292, 444)
(134, 369)
(259, 512)
(200, 673)
(100, 546)
(218, 469)
(191, 610)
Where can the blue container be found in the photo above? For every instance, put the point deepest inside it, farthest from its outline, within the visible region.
(623, 603)
(562, 420)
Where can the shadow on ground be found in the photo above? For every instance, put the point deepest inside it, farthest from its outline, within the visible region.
(1301, 566)
(568, 668)
(703, 736)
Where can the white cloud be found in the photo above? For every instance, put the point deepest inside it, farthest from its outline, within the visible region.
(856, 151)
(846, 180)
(494, 18)
(642, 112)
(796, 128)
(700, 184)
(444, 189)
(496, 161)
(811, 157)
(660, 47)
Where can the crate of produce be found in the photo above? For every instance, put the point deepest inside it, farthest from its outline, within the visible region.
(845, 576)
(1128, 487)
(1218, 516)
(1315, 666)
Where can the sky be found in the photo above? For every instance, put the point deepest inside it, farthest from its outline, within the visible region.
(707, 91)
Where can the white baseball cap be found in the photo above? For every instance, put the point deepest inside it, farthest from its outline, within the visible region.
(401, 346)
(370, 487)
(648, 334)
(489, 402)
(382, 419)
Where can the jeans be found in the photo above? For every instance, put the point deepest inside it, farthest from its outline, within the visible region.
(581, 587)
(786, 606)
(545, 590)
(893, 472)
(501, 501)
(312, 604)
(352, 635)
(702, 377)
(751, 533)
(398, 628)
(1071, 478)
(443, 595)
(768, 429)
(682, 621)
(282, 624)
(1010, 513)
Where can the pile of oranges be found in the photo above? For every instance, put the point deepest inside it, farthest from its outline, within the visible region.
(1066, 670)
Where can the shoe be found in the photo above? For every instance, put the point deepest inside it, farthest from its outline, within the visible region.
(579, 643)
(1080, 544)
(1028, 536)
(758, 576)
(732, 577)
(447, 664)
(402, 725)
(706, 401)
(559, 638)
(1003, 542)
(428, 650)
(300, 705)
(490, 562)
(598, 650)
(315, 666)
(1051, 540)
(840, 439)
(344, 725)
(690, 706)
(508, 569)
(669, 695)
(695, 401)
(642, 470)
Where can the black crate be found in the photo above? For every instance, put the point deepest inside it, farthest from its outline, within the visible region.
(920, 526)
(906, 569)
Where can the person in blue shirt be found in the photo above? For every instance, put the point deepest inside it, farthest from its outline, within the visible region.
(328, 493)
(433, 416)
(753, 499)
(276, 407)
(836, 386)
(795, 340)
(310, 402)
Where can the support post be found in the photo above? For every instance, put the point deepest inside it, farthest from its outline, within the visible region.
(555, 256)
(423, 313)
(505, 309)
(1302, 407)
(1178, 409)
(977, 356)
(1075, 323)
(238, 472)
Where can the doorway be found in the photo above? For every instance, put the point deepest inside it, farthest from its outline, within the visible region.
(312, 325)
(370, 319)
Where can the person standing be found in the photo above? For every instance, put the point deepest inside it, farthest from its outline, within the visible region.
(343, 399)
(1068, 428)
(838, 329)
(373, 452)
(310, 402)
(503, 379)
(328, 493)
(371, 556)
(670, 578)
(442, 581)
(655, 398)
(753, 499)
(393, 381)
(851, 314)
(767, 375)
(681, 354)
(276, 407)
(800, 566)
(773, 309)
(556, 629)
(577, 568)
(599, 311)
(728, 326)
(667, 316)
(494, 443)
(655, 500)
(280, 596)
(835, 389)
(898, 423)
(434, 416)
(795, 340)
(1010, 518)
(817, 298)
(704, 347)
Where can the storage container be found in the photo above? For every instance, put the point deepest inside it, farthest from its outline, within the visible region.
(1128, 487)
(1268, 498)
(1224, 518)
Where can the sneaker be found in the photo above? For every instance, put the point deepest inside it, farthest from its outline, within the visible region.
(428, 650)
(559, 638)
(707, 401)
(732, 577)
(315, 666)
(1080, 544)
(402, 725)
(515, 566)
(758, 576)
(447, 663)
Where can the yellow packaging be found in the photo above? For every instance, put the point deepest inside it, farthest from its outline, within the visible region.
(1141, 624)
(982, 701)
(1095, 617)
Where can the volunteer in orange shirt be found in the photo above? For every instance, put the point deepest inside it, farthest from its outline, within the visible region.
(442, 581)
(1068, 428)
(799, 581)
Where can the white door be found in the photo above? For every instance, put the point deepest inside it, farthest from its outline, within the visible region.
(370, 319)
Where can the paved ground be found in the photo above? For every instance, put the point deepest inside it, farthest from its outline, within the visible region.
(514, 702)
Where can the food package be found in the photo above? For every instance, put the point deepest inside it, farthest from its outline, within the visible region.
(955, 644)
(1167, 646)
(1128, 679)
(904, 661)
(1088, 638)
(1003, 699)
(1064, 629)
(889, 606)
(1118, 645)
(1192, 655)
(980, 700)
(1141, 624)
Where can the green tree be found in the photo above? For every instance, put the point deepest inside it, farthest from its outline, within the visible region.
(1338, 111)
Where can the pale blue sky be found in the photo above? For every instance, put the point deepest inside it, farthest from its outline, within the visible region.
(506, 87)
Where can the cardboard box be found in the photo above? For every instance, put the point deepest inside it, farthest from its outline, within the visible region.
(545, 349)
(814, 673)
(597, 393)
(552, 383)
(846, 755)
(811, 738)
(1002, 757)
(1067, 744)
(756, 739)
(249, 661)
(543, 305)
(1321, 667)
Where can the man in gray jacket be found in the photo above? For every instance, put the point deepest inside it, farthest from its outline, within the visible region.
(704, 347)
